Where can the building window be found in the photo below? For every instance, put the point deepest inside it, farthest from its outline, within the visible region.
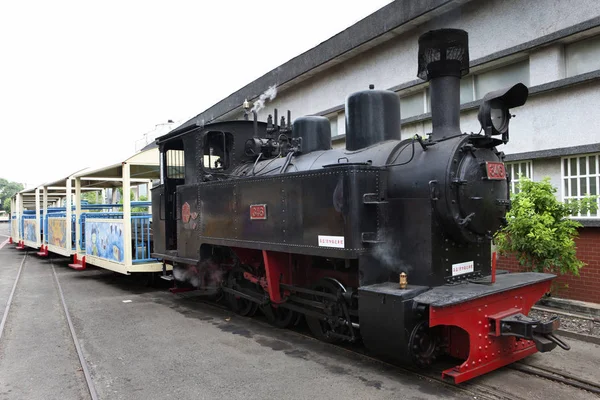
(583, 56)
(581, 178)
(475, 86)
(516, 170)
(501, 77)
(413, 104)
(333, 122)
(467, 89)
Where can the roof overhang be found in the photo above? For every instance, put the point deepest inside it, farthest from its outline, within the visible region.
(386, 23)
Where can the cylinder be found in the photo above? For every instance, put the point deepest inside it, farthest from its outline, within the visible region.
(372, 116)
(315, 132)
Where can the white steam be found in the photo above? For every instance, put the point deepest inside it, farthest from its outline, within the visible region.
(207, 274)
(269, 95)
(388, 254)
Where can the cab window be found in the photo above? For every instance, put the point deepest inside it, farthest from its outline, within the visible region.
(217, 150)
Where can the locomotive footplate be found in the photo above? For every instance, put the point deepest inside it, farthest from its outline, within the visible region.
(448, 295)
(486, 324)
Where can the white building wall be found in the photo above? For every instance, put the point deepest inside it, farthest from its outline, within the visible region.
(492, 25)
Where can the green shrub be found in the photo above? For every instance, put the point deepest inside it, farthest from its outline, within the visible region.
(539, 231)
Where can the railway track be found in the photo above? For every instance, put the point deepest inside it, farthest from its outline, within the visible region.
(9, 311)
(557, 376)
(11, 296)
(84, 366)
(476, 388)
(479, 389)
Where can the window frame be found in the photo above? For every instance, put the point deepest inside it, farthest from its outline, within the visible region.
(566, 180)
(423, 92)
(569, 52)
(175, 170)
(227, 151)
(333, 123)
(514, 177)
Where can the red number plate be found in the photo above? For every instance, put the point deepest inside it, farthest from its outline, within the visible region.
(495, 170)
(258, 211)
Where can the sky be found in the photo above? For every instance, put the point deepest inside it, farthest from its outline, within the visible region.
(81, 81)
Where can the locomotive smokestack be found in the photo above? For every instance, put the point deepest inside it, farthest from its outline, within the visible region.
(443, 60)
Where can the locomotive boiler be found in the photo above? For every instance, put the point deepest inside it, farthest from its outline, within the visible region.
(386, 241)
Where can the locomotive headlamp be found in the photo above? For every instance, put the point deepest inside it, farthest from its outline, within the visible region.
(494, 112)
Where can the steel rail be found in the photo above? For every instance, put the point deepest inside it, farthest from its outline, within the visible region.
(82, 361)
(3, 244)
(556, 376)
(10, 297)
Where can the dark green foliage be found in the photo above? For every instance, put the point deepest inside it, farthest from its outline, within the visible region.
(90, 197)
(539, 231)
(7, 191)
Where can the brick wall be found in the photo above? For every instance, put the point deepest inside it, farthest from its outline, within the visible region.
(585, 287)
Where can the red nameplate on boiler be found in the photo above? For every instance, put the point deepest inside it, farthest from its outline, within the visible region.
(495, 170)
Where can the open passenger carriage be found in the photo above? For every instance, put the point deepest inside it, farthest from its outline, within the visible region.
(114, 234)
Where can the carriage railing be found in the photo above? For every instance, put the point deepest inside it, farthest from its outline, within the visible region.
(27, 216)
(59, 214)
(141, 232)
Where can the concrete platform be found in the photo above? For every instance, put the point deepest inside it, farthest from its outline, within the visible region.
(580, 307)
(145, 343)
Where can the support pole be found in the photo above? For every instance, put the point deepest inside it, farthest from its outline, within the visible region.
(19, 212)
(13, 223)
(149, 193)
(127, 243)
(45, 208)
(38, 227)
(69, 213)
(77, 214)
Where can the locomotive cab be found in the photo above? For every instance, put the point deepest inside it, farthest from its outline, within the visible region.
(191, 155)
(172, 165)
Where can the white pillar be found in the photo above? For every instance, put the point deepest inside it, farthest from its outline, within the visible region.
(127, 213)
(77, 214)
(38, 222)
(69, 212)
(13, 213)
(45, 208)
(149, 190)
(19, 211)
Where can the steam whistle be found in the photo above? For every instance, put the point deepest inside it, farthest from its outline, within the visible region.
(403, 281)
(270, 127)
(286, 128)
(246, 107)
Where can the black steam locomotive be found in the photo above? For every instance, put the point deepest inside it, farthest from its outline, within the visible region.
(387, 241)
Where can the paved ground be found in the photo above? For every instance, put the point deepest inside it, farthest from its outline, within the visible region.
(143, 343)
(37, 355)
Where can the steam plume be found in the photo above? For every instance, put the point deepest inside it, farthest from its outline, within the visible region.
(269, 94)
(389, 256)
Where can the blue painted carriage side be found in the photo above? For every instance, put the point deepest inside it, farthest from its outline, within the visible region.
(141, 233)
